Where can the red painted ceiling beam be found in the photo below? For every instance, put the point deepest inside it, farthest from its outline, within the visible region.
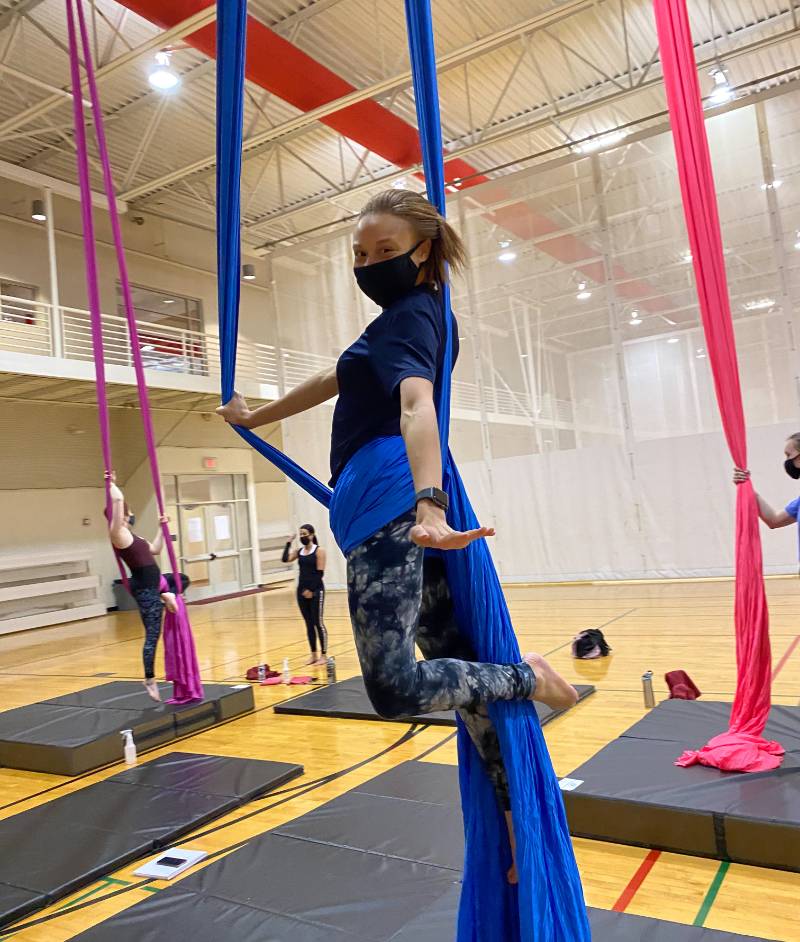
(276, 65)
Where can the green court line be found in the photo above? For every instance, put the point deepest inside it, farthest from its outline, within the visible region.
(152, 889)
(116, 882)
(79, 899)
(711, 896)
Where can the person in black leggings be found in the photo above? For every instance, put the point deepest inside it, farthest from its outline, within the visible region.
(140, 558)
(311, 590)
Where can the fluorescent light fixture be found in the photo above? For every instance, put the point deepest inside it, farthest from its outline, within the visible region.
(163, 77)
(504, 243)
(772, 185)
(668, 320)
(147, 347)
(168, 300)
(249, 272)
(687, 257)
(583, 292)
(673, 340)
(37, 211)
(507, 256)
(635, 319)
(400, 184)
(601, 142)
(760, 304)
(722, 91)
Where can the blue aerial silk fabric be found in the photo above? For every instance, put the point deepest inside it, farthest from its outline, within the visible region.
(376, 487)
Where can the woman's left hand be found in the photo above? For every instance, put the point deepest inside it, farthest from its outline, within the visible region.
(432, 530)
(164, 519)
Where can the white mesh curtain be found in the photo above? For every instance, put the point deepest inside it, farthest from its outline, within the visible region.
(584, 418)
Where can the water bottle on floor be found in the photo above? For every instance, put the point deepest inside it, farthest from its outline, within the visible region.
(647, 689)
(330, 669)
(287, 674)
(262, 673)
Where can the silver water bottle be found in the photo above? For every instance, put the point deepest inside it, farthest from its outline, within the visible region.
(647, 690)
(330, 669)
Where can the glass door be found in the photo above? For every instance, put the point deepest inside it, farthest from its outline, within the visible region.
(214, 535)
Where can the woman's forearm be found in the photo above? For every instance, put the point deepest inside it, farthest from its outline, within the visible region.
(158, 542)
(312, 392)
(420, 431)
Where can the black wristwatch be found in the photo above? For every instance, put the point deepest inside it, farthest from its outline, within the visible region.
(435, 496)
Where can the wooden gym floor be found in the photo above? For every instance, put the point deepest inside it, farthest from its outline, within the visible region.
(651, 626)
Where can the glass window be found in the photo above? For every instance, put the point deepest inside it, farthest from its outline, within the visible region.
(161, 307)
(18, 302)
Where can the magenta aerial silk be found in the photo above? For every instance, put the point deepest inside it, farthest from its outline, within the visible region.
(185, 655)
(742, 748)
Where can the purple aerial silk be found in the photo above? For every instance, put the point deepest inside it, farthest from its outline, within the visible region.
(187, 656)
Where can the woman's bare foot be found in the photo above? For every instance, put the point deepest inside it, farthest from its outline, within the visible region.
(312, 658)
(151, 686)
(511, 875)
(322, 659)
(551, 688)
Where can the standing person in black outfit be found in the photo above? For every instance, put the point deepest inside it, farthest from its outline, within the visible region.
(311, 590)
(140, 558)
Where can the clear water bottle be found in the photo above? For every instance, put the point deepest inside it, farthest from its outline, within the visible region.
(262, 673)
(330, 669)
(647, 690)
(287, 674)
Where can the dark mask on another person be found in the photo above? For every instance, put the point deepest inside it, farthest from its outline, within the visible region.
(386, 282)
(305, 540)
(790, 469)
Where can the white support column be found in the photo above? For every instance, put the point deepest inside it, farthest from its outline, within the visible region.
(56, 326)
(789, 303)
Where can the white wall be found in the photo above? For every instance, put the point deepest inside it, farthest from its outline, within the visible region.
(41, 520)
(161, 254)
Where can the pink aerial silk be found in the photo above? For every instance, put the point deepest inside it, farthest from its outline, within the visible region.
(186, 656)
(180, 658)
(742, 748)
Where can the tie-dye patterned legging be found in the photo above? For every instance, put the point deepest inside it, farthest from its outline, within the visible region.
(398, 595)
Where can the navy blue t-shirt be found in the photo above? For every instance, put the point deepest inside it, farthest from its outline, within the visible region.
(406, 340)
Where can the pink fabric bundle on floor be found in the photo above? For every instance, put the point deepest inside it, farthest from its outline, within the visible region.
(742, 748)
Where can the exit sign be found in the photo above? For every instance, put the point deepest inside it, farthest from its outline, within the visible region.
(210, 464)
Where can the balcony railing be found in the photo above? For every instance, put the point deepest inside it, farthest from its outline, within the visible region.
(30, 328)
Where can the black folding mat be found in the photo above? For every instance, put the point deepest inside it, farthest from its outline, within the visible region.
(381, 863)
(632, 792)
(348, 700)
(56, 848)
(80, 731)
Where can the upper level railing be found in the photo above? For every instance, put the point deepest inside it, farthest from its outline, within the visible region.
(33, 328)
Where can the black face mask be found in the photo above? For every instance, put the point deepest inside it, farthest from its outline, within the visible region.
(790, 469)
(385, 282)
(305, 540)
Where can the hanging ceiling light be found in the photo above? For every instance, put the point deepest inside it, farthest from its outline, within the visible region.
(37, 211)
(583, 292)
(163, 77)
(760, 304)
(506, 255)
(249, 272)
(722, 92)
(635, 319)
(601, 142)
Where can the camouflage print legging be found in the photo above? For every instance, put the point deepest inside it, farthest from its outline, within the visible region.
(398, 596)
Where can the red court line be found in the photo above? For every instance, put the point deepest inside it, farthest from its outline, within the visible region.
(636, 881)
(782, 662)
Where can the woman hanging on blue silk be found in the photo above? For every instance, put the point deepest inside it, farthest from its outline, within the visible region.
(397, 588)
